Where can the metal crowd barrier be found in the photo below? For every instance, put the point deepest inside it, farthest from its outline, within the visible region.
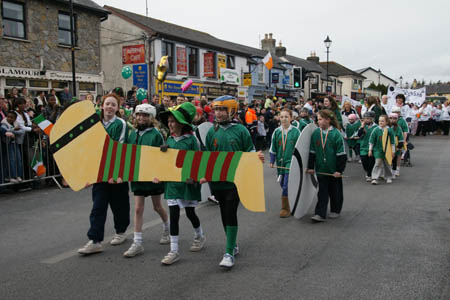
(17, 158)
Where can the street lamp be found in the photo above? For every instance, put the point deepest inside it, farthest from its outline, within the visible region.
(401, 78)
(327, 43)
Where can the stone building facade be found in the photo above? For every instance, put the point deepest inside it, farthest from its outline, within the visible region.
(39, 47)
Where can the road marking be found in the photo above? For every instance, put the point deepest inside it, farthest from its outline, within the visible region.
(74, 252)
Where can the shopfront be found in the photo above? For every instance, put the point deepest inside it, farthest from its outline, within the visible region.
(259, 92)
(36, 81)
(215, 91)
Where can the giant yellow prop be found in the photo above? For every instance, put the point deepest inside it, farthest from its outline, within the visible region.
(85, 154)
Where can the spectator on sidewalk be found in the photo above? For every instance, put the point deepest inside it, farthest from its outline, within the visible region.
(66, 96)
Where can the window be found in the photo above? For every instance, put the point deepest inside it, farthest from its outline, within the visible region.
(167, 49)
(87, 86)
(261, 73)
(15, 82)
(230, 62)
(59, 84)
(39, 83)
(64, 29)
(193, 61)
(13, 19)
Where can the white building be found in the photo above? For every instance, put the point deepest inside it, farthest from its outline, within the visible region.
(140, 42)
(374, 77)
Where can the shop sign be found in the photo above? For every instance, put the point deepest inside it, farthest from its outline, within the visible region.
(181, 61)
(247, 79)
(133, 54)
(229, 76)
(140, 76)
(49, 75)
(221, 62)
(208, 64)
(174, 87)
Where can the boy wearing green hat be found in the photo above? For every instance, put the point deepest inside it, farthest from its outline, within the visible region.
(179, 194)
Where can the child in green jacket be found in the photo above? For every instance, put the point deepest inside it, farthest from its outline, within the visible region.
(146, 133)
(284, 139)
(180, 194)
(351, 136)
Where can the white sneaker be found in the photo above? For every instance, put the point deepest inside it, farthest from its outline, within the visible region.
(213, 199)
(198, 244)
(170, 258)
(19, 179)
(368, 179)
(359, 161)
(317, 218)
(119, 238)
(165, 238)
(389, 180)
(135, 249)
(91, 248)
(13, 180)
(374, 182)
(333, 215)
(227, 261)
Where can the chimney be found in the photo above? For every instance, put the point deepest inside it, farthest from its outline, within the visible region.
(312, 57)
(268, 43)
(280, 50)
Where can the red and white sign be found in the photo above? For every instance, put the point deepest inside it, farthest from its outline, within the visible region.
(208, 64)
(181, 61)
(133, 54)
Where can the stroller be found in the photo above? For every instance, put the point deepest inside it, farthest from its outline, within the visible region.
(406, 156)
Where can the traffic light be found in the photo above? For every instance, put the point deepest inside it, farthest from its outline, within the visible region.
(297, 75)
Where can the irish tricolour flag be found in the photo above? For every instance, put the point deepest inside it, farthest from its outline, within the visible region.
(267, 60)
(44, 124)
(37, 163)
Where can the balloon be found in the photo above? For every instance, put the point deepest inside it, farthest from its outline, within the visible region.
(186, 85)
(126, 72)
(141, 94)
(163, 67)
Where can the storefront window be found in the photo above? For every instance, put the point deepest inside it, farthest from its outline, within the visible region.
(39, 83)
(15, 82)
(59, 84)
(87, 86)
(13, 19)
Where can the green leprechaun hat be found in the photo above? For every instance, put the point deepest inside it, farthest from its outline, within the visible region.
(183, 113)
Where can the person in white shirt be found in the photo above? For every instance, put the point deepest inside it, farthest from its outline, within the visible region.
(445, 117)
(424, 119)
(386, 105)
(413, 114)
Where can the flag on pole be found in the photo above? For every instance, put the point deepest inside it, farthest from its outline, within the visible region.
(267, 60)
(37, 164)
(44, 124)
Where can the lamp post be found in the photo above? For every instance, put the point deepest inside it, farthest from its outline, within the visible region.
(72, 48)
(327, 43)
(379, 80)
(401, 78)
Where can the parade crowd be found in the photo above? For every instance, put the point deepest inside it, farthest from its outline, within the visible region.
(375, 133)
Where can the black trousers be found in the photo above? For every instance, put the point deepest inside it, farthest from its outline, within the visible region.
(330, 189)
(228, 202)
(423, 127)
(445, 125)
(116, 195)
(174, 211)
(368, 163)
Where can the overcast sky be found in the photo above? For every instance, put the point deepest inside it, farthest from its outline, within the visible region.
(402, 38)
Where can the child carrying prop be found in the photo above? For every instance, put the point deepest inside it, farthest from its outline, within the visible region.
(146, 133)
(399, 142)
(181, 194)
(282, 148)
(382, 146)
(327, 156)
(351, 137)
(364, 132)
(228, 135)
(112, 192)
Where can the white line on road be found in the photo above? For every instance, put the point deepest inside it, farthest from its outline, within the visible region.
(68, 254)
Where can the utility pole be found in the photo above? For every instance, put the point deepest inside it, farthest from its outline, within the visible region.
(72, 38)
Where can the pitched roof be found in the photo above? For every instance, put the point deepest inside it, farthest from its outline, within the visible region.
(361, 71)
(443, 88)
(308, 66)
(177, 32)
(87, 4)
(340, 70)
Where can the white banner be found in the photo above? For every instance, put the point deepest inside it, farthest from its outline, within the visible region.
(353, 102)
(416, 97)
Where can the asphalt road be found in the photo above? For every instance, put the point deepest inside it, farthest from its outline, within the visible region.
(392, 242)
